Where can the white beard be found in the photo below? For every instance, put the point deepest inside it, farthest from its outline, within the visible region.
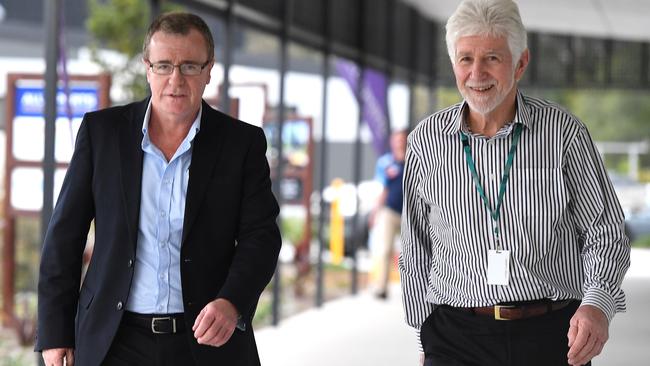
(486, 103)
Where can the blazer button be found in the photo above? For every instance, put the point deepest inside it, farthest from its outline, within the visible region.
(130, 263)
(119, 305)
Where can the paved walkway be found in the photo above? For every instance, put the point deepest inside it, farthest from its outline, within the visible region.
(629, 333)
(360, 331)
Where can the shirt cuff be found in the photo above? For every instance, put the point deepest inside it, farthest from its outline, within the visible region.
(602, 300)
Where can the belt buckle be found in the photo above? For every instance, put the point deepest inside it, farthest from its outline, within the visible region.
(155, 319)
(497, 311)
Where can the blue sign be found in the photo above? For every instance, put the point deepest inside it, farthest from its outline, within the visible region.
(30, 101)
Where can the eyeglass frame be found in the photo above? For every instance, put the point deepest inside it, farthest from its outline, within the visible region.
(180, 67)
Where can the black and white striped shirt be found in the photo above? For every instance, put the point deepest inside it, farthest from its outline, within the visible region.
(560, 218)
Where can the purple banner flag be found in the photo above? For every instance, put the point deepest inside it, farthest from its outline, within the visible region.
(373, 92)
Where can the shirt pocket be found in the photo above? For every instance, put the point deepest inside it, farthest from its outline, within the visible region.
(537, 192)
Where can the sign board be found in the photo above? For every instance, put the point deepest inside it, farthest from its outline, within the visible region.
(28, 126)
(26, 132)
(296, 155)
(30, 100)
(25, 129)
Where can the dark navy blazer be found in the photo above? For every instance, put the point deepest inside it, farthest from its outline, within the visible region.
(230, 241)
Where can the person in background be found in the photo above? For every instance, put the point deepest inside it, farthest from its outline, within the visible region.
(185, 224)
(386, 215)
(513, 244)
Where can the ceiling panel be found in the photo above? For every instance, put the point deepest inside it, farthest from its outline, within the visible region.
(620, 19)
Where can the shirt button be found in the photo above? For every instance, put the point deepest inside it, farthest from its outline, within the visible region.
(167, 181)
(162, 214)
(119, 305)
(160, 308)
(161, 276)
(162, 244)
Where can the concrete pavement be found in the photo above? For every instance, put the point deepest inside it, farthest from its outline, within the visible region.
(360, 330)
(357, 330)
(629, 332)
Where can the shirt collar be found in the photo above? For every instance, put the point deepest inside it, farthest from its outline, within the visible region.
(522, 115)
(196, 126)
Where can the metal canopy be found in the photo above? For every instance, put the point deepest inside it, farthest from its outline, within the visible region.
(619, 20)
(577, 43)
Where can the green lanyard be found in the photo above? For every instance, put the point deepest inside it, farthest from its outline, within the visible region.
(495, 214)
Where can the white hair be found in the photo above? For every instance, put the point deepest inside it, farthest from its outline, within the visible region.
(494, 18)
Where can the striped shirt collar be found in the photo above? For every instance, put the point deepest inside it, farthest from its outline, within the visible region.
(457, 123)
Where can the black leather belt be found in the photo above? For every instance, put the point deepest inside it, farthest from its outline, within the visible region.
(518, 311)
(156, 323)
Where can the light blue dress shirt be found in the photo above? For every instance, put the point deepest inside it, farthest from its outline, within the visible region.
(156, 287)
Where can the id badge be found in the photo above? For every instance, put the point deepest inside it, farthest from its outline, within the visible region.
(498, 267)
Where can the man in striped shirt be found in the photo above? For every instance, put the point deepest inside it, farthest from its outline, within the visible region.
(513, 243)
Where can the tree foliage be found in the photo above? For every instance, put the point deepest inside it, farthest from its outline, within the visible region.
(613, 115)
(121, 25)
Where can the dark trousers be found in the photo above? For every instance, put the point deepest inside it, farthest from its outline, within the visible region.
(451, 337)
(135, 346)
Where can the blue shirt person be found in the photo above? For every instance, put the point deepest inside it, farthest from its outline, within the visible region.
(386, 216)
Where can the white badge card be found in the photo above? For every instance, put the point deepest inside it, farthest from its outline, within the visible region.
(498, 267)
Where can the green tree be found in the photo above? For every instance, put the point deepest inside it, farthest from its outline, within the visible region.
(121, 25)
(610, 115)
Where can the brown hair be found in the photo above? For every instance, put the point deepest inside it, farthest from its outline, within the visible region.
(179, 23)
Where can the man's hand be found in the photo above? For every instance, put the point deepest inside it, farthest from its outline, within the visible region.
(58, 357)
(216, 323)
(588, 333)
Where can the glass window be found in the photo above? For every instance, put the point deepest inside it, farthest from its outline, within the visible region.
(304, 85)
(552, 60)
(590, 60)
(626, 63)
(254, 75)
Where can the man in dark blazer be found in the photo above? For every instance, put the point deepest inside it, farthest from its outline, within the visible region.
(185, 224)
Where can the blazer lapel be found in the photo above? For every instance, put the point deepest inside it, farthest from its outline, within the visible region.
(206, 149)
(130, 160)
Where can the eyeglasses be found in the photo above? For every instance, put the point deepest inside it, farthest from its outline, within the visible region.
(187, 69)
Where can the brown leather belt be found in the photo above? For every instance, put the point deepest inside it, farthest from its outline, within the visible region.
(516, 312)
